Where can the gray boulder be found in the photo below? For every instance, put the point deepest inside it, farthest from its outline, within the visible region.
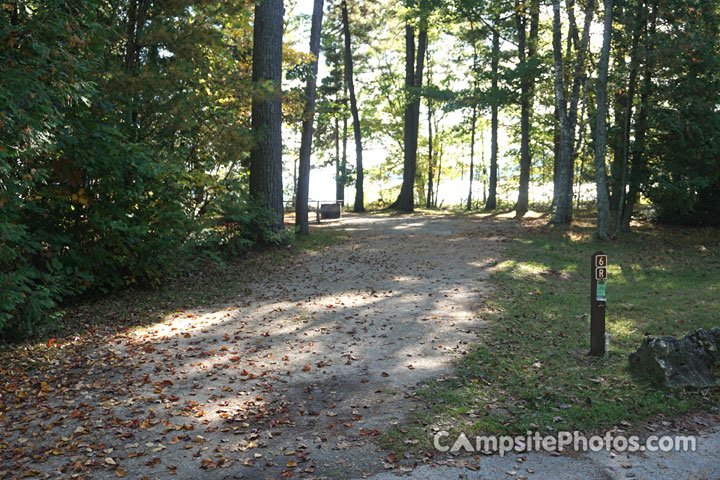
(692, 361)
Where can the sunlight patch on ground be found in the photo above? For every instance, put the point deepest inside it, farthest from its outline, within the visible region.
(622, 328)
(520, 269)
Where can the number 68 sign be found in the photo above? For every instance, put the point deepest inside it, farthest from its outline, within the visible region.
(601, 267)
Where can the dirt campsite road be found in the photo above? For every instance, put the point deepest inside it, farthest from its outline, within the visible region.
(294, 378)
(299, 375)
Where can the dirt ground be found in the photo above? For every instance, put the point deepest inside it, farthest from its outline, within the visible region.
(296, 378)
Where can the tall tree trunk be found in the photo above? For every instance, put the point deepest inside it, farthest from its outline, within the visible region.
(404, 201)
(526, 87)
(472, 155)
(137, 16)
(484, 167)
(359, 178)
(627, 121)
(491, 203)
(616, 141)
(562, 197)
(579, 79)
(638, 158)
(428, 202)
(413, 81)
(439, 172)
(556, 153)
(473, 122)
(616, 165)
(580, 141)
(343, 165)
(339, 180)
(562, 201)
(301, 199)
(266, 154)
(603, 202)
(295, 178)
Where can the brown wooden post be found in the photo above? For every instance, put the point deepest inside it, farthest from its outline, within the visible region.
(598, 281)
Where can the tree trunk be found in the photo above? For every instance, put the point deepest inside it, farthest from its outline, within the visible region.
(568, 116)
(580, 141)
(556, 153)
(484, 167)
(473, 122)
(301, 199)
(295, 182)
(472, 155)
(428, 202)
(603, 202)
(339, 180)
(638, 159)
(627, 121)
(359, 174)
(439, 171)
(405, 198)
(266, 154)
(615, 166)
(562, 201)
(526, 84)
(413, 81)
(491, 203)
(343, 165)
(579, 79)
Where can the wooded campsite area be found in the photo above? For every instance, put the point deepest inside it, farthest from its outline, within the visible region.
(172, 304)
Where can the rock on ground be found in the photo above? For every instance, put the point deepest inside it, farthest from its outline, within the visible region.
(692, 361)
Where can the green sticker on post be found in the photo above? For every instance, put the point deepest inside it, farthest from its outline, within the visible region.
(600, 292)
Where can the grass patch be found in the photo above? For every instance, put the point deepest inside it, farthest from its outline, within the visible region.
(530, 371)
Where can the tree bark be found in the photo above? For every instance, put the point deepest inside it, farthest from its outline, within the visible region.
(615, 166)
(603, 202)
(413, 81)
(428, 202)
(303, 187)
(473, 122)
(484, 167)
(266, 154)
(627, 121)
(526, 88)
(404, 201)
(343, 165)
(359, 174)
(491, 203)
(638, 158)
(562, 201)
(472, 155)
(439, 171)
(580, 140)
(339, 180)
(562, 197)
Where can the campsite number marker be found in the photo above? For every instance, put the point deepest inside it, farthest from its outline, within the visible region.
(598, 282)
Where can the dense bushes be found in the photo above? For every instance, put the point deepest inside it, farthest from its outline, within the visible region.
(684, 177)
(122, 139)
